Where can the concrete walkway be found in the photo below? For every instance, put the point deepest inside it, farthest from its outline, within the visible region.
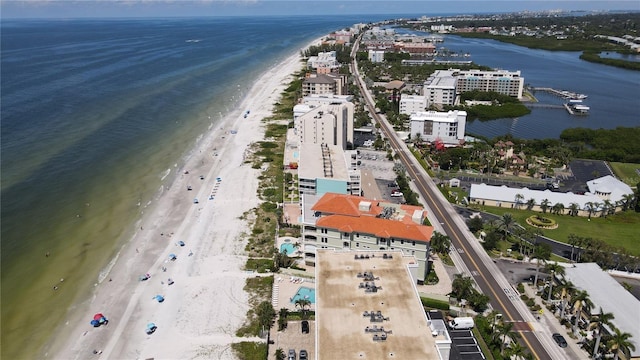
(550, 322)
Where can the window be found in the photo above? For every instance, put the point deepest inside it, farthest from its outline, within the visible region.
(383, 241)
(324, 240)
(413, 243)
(324, 231)
(357, 244)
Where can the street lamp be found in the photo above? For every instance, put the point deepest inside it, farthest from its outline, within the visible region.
(550, 286)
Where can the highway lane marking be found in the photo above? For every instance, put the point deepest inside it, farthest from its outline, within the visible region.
(442, 217)
(403, 155)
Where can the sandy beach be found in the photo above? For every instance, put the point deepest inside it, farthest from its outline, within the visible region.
(206, 303)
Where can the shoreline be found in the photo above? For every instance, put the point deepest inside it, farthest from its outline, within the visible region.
(209, 264)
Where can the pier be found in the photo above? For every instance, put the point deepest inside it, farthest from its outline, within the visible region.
(561, 93)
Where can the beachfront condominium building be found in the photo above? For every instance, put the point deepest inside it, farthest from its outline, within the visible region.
(440, 89)
(501, 81)
(376, 56)
(430, 126)
(330, 124)
(324, 60)
(347, 222)
(324, 83)
(326, 168)
(410, 104)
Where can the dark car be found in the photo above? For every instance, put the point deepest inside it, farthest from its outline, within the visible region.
(292, 355)
(303, 355)
(559, 339)
(305, 327)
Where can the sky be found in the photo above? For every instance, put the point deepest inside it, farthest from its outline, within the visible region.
(185, 8)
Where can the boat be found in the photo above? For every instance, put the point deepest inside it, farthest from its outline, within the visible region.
(576, 107)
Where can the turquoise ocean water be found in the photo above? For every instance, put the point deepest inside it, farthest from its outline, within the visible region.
(94, 115)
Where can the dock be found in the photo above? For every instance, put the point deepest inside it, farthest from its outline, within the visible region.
(575, 107)
(561, 93)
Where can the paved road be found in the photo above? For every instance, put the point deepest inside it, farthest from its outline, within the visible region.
(486, 274)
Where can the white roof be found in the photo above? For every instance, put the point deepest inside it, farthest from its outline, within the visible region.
(606, 293)
(609, 184)
(508, 195)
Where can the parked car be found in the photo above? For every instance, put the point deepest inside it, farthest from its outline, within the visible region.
(304, 355)
(305, 327)
(292, 355)
(559, 339)
(396, 194)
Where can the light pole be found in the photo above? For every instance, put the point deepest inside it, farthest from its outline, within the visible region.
(550, 286)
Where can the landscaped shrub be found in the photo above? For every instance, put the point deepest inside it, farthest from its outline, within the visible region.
(434, 304)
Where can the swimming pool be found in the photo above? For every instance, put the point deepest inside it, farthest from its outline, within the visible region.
(305, 293)
(289, 248)
(295, 154)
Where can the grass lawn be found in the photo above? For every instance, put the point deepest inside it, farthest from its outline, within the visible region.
(627, 172)
(620, 230)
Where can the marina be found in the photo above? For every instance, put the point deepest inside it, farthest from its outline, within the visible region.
(561, 93)
(575, 107)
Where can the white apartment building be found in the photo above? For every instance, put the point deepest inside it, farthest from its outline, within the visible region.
(440, 88)
(323, 60)
(501, 81)
(324, 83)
(330, 124)
(326, 168)
(376, 56)
(448, 126)
(410, 104)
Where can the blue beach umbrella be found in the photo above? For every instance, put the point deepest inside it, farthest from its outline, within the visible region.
(159, 298)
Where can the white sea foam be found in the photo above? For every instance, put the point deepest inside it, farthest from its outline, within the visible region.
(165, 174)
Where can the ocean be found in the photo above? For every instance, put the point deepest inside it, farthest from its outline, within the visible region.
(98, 114)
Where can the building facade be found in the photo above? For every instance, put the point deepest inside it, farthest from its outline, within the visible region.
(330, 124)
(448, 127)
(440, 88)
(346, 222)
(501, 81)
(324, 168)
(410, 104)
(376, 56)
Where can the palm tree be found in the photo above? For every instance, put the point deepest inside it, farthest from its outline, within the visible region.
(303, 304)
(621, 342)
(544, 205)
(516, 351)
(590, 207)
(505, 223)
(461, 286)
(574, 208)
(440, 243)
(627, 200)
(531, 203)
(580, 301)
(567, 289)
(541, 252)
(558, 208)
(597, 323)
(519, 199)
(505, 330)
(607, 205)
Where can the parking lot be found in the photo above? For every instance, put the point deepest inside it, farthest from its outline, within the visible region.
(293, 338)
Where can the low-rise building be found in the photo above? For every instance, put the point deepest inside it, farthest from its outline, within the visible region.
(410, 104)
(368, 307)
(347, 222)
(431, 126)
(323, 60)
(605, 194)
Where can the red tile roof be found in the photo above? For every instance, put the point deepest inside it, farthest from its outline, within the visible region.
(383, 228)
(342, 212)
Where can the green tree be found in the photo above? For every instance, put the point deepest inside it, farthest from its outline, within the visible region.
(475, 224)
(280, 355)
(505, 223)
(303, 304)
(505, 330)
(580, 301)
(542, 253)
(597, 323)
(621, 342)
(558, 208)
(519, 199)
(544, 205)
(266, 314)
(440, 243)
(531, 203)
(461, 287)
(574, 208)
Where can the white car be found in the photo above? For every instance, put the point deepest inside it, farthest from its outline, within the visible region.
(396, 194)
